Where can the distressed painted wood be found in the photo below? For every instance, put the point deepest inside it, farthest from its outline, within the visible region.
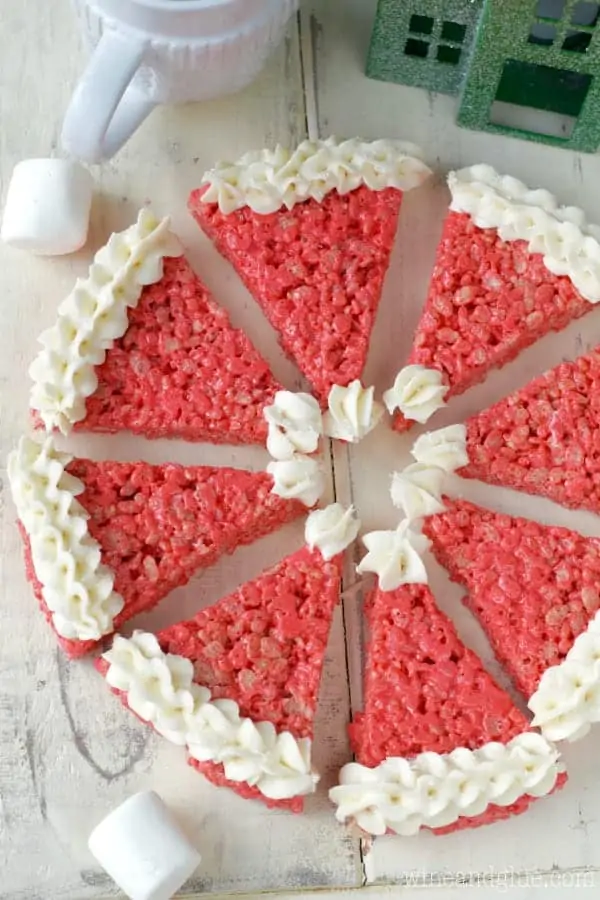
(68, 752)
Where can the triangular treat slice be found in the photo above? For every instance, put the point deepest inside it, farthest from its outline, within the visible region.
(511, 266)
(310, 234)
(240, 681)
(106, 541)
(534, 588)
(545, 438)
(140, 345)
(439, 744)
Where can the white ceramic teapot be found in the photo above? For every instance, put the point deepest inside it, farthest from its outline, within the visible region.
(148, 52)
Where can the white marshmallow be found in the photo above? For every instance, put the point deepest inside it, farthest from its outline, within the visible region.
(47, 208)
(143, 849)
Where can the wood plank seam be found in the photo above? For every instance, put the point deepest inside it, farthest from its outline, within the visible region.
(308, 29)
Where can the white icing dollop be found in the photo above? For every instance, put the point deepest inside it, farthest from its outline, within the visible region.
(353, 412)
(417, 392)
(332, 529)
(445, 448)
(567, 700)
(300, 478)
(76, 587)
(295, 424)
(569, 244)
(434, 790)
(417, 490)
(160, 689)
(93, 316)
(266, 180)
(395, 557)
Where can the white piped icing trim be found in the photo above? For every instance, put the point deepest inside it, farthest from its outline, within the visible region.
(300, 478)
(160, 689)
(93, 316)
(395, 556)
(569, 244)
(76, 587)
(417, 490)
(445, 448)
(434, 790)
(417, 392)
(567, 700)
(353, 412)
(266, 180)
(295, 424)
(332, 529)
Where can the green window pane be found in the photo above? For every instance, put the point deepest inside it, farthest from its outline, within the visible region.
(542, 33)
(543, 87)
(421, 24)
(550, 9)
(585, 13)
(453, 31)
(577, 41)
(416, 48)
(450, 55)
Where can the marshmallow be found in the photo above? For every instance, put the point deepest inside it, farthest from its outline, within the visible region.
(47, 207)
(143, 849)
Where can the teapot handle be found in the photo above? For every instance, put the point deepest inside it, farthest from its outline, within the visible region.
(106, 108)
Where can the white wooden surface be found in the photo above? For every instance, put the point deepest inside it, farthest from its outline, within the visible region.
(68, 752)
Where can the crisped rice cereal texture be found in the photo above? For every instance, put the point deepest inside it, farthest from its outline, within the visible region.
(425, 691)
(264, 647)
(181, 370)
(317, 272)
(545, 438)
(533, 587)
(158, 525)
(488, 300)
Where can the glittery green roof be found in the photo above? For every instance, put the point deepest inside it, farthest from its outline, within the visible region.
(505, 57)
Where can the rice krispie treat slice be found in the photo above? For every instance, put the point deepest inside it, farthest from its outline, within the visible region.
(310, 233)
(239, 683)
(545, 438)
(439, 744)
(534, 589)
(140, 345)
(105, 541)
(511, 266)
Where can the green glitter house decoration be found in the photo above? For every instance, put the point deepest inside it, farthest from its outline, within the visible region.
(526, 68)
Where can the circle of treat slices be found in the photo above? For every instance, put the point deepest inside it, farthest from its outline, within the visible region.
(140, 345)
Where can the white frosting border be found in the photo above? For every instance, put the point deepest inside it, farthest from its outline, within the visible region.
(160, 689)
(567, 700)
(569, 244)
(266, 180)
(76, 587)
(93, 316)
(434, 790)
